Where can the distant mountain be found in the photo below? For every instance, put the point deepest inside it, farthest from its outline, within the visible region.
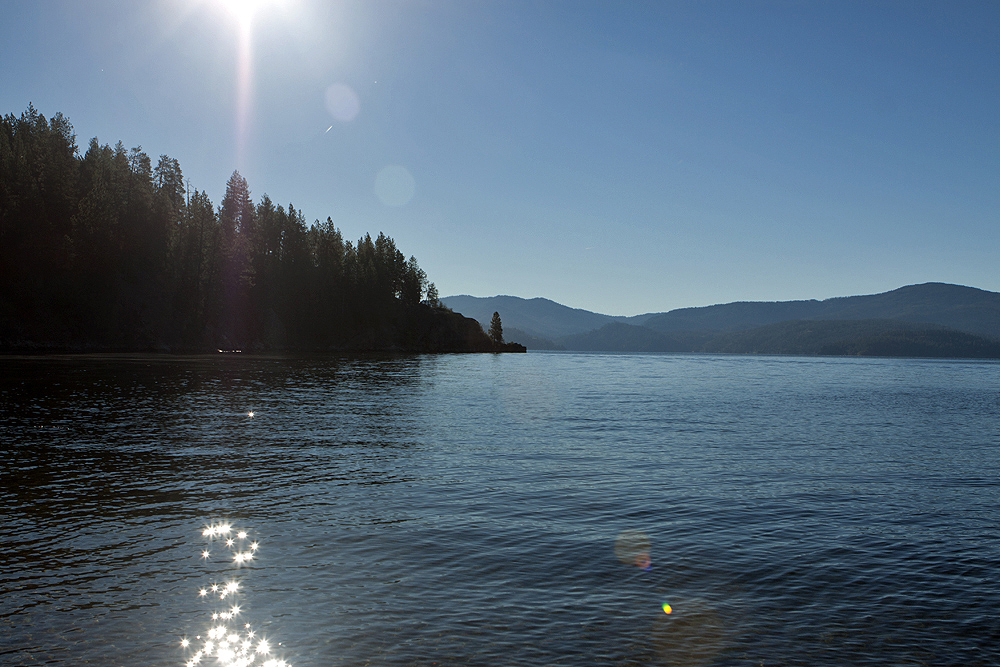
(883, 338)
(966, 309)
(529, 341)
(932, 319)
(621, 337)
(535, 317)
(888, 338)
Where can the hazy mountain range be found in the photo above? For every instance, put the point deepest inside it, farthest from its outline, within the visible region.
(932, 319)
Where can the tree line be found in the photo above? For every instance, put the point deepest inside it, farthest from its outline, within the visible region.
(108, 251)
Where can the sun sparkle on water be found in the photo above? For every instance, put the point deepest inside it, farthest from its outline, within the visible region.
(225, 645)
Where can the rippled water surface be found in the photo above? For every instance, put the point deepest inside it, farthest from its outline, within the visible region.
(464, 509)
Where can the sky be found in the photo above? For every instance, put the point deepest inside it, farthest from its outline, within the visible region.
(621, 157)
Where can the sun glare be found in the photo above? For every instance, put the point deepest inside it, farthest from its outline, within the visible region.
(224, 643)
(245, 10)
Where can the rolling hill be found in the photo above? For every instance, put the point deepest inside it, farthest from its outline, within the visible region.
(932, 319)
(888, 338)
(539, 317)
(962, 308)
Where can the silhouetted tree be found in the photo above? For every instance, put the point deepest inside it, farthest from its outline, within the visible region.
(192, 264)
(236, 226)
(329, 279)
(169, 182)
(496, 329)
(432, 295)
(414, 280)
(39, 171)
(104, 251)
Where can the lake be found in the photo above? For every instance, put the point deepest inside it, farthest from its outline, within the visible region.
(537, 509)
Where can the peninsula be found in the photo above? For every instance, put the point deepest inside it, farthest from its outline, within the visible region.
(107, 252)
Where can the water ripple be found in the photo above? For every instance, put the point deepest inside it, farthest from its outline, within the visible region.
(463, 510)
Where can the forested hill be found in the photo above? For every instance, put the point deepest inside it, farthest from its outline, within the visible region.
(884, 338)
(957, 307)
(535, 318)
(932, 320)
(104, 251)
(962, 308)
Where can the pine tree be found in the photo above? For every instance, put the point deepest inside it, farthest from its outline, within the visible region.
(237, 229)
(432, 295)
(106, 251)
(496, 329)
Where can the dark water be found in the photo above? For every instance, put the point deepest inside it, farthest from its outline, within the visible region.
(463, 509)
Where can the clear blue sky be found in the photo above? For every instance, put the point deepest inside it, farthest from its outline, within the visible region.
(622, 157)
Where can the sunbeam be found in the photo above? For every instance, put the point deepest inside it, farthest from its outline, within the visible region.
(244, 11)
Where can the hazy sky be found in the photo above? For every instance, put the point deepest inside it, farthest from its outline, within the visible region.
(622, 157)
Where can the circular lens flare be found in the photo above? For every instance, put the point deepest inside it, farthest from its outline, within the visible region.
(394, 185)
(342, 102)
(667, 609)
(632, 547)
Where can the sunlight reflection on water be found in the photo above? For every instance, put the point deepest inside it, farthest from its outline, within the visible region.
(225, 639)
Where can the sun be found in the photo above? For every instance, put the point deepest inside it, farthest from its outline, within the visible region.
(245, 10)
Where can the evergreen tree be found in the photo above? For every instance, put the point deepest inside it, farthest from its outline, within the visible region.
(496, 329)
(329, 255)
(237, 227)
(169, 182)
(413, 283)
(432, 296)
(192, 265)
(104, 251)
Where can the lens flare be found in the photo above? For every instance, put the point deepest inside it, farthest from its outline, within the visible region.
(632, 548)
(692, 637)
(244, 11)
(394, 185)
(342, 103)
(667, 609)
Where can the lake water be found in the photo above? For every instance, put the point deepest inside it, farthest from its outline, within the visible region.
(465, 509)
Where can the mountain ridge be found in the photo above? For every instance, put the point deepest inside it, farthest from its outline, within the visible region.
(949, 305)
(929, 319)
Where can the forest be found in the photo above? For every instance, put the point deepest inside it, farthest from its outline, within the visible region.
(109, 252)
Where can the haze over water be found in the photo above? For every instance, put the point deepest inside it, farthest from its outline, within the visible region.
(464, 509)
